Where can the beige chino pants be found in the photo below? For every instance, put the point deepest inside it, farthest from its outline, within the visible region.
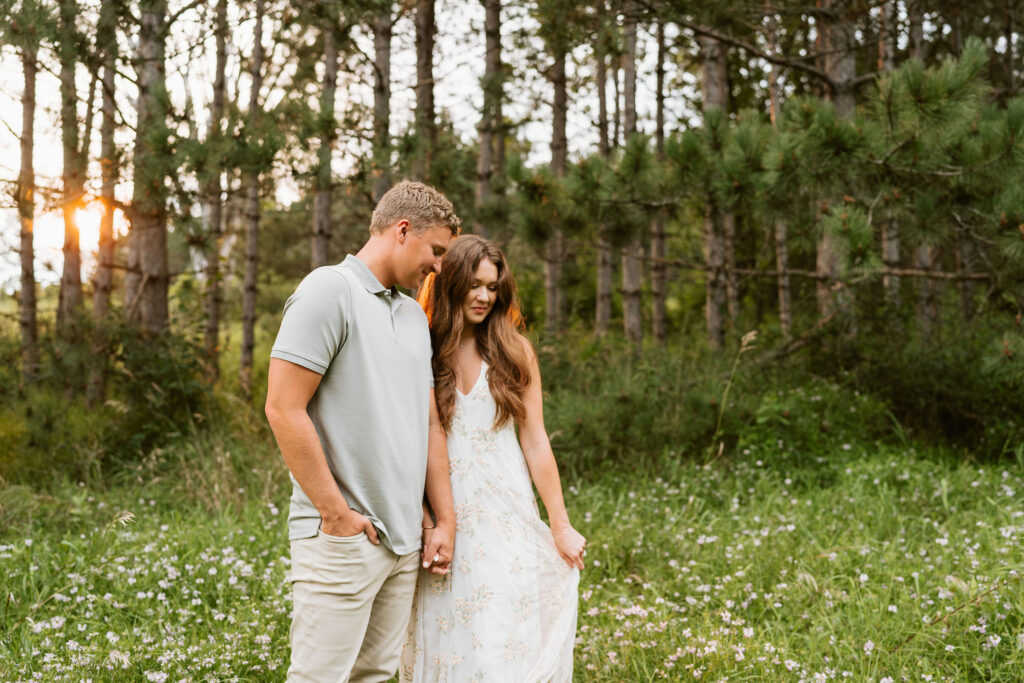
(351, 604)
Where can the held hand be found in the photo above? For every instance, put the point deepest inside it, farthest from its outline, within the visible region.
(349, 523)
(437, 549)
(570, 544)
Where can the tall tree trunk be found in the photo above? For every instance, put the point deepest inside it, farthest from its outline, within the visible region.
(213, 206)
(779, 226)
(108, 178)
(70, 296)
(617, 110)
(715, 90)
(328, 133)
(633, 254)
(26, 214)
(252, 217)
(966, 258)
(605, 253)
(490, 124)
(426, 128)
(554, 256)
(915, 29)
(147, 280)
(926, 257)
(890, 226)
(659, 278)
(838, 43)
(382, 103)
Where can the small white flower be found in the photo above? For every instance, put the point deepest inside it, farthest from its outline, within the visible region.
(868, 647)
(892, 608)
(863, 578)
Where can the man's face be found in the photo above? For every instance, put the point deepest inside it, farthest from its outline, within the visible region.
(419, 255)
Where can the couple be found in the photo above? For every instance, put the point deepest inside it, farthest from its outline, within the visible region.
(397, 422)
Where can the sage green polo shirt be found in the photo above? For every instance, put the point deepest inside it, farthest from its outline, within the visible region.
(371, 409)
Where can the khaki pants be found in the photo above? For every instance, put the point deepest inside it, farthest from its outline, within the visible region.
(351, 605)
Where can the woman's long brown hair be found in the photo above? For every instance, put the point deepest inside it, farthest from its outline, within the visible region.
(497, 337)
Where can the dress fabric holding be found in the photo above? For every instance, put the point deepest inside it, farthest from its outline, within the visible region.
(507, 610)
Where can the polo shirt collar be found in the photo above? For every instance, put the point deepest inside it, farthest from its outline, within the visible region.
(366, 276)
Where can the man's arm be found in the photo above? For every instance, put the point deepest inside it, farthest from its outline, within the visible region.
(439, 541)
(290, 388)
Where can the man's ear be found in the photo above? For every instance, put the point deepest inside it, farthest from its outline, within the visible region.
(403, 230)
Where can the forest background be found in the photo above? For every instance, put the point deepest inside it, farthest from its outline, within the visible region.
(767, 251)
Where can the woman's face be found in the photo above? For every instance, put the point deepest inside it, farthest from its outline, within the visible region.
(482, 293)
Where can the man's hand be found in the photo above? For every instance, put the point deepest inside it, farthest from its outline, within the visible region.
(437, 548)
(349, 523)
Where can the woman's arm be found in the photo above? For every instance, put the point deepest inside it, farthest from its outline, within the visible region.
(533, 438)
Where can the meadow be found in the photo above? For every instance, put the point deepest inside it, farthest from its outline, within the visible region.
(870, 561)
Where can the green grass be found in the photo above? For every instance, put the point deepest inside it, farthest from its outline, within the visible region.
(862, 563)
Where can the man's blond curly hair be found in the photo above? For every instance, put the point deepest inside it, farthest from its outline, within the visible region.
(421, 205)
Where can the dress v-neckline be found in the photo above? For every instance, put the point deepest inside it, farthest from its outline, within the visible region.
(480, 373)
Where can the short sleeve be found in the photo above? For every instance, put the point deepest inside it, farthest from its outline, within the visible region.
(315, 323)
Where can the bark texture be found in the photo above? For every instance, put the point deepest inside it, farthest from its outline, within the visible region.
(715, 91)
(426, 128)
(605, 252)
(148, 280)
(73, 175)
(252, 218)
(108, 178)
(490, 126)
(554, 252)
(659, 275)
(382, 103)
(26, 215)
(633, 254)
(837, 42)
(328, 134)
(213, 206)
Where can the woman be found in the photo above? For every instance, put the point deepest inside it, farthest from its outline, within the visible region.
(507, 610)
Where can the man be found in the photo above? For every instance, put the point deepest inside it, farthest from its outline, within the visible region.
(350, 400)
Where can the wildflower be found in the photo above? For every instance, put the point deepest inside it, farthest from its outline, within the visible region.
(887, 679)
(863, 578)
(156, 676)
(868, 647)
(892, 608)
(118, 657)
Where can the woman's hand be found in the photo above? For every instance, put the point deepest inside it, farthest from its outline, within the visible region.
(570, 544)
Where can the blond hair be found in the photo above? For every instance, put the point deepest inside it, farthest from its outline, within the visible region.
(421, 205)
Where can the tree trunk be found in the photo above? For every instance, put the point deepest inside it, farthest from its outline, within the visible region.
(252, 218)
(838, 43)
(890, 226)
(426, 129)
(915, 29)
(382, 103)
(966, 257)
(782, 264)
(70, 296)
(489, 127)
(108, 178)
(659, 278)
(26, 214)
(715, 91)
(213, 214)
(779, 227)
(322, 190)
(554, 256)
(926, 257)
(147, 280)
(732, 288)
(605, 253)
(633, 254)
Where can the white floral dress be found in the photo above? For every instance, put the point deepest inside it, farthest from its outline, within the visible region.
(507, 609)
